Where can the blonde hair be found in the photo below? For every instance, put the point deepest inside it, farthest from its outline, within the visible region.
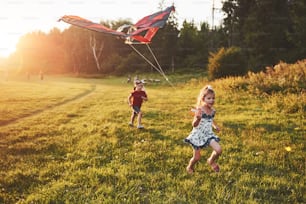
(204, 91)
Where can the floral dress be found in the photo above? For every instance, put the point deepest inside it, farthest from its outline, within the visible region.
(201, 135)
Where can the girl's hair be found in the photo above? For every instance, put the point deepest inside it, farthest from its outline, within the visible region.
(204, 91)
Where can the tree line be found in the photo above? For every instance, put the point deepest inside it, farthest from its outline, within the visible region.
(267, 31)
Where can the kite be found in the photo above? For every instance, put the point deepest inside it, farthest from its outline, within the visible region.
(140, 33)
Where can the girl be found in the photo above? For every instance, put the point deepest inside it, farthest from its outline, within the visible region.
(202, 134)
(135, 100)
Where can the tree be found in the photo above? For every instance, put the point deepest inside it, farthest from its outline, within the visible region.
(297, 32)
(188, 44)
(96, 51)
(261, 27)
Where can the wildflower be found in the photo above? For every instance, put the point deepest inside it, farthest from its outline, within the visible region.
(288, 149)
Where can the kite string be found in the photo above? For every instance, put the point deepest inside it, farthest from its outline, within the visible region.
(163, 73)
(148, 61)
(145, 59)
(149, 48)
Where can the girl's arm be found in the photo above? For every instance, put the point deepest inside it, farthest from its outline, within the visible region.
(197, 118)
(215, 126)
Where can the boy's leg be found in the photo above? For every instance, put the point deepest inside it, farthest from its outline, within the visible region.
(139, 118)
(132, 118)
(139, 113)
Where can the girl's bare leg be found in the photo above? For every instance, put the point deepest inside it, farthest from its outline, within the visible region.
(196, 157)
(217, 151)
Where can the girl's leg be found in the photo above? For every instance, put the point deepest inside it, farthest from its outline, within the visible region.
(217, 151)
(196, 157)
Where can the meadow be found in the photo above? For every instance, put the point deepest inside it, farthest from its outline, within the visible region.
(67, 140)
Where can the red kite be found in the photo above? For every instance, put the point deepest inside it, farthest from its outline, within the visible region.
(140, 33)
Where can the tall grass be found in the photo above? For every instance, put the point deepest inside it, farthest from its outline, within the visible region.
(79, 148)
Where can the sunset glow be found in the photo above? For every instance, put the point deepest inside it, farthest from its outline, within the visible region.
(18, 18)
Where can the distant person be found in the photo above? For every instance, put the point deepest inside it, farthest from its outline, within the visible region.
(135, 100)
(41, 75)
(136, 79)
(202, 134)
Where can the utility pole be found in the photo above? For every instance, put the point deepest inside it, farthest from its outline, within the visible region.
(213, 21)
(213, 15)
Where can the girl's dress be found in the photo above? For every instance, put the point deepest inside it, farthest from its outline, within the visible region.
(201, 135)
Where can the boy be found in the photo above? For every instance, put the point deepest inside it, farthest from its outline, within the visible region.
(135, 100)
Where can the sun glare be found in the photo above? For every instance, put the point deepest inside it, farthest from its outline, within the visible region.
(7, 44)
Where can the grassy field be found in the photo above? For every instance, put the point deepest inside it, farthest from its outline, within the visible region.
(66, 140)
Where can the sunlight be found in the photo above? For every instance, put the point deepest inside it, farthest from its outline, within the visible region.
(7, 44)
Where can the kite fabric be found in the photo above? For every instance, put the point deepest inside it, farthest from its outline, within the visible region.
(84, 23)
(142, 32)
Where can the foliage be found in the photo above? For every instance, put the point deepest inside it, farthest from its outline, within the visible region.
(266, 30)
(130, 64)
(282, 85)
(110, 64)
(227, 62)
(283, 77)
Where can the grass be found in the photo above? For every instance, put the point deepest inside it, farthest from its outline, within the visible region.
(66, 140)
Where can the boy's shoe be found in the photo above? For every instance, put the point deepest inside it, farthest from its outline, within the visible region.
(131, 124)
(140, 127)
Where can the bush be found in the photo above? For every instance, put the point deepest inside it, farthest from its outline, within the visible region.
(283, 77)
(227, 62)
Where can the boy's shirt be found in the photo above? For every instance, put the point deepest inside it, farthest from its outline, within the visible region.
(137, 97)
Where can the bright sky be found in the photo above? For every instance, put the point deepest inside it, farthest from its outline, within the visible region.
(18, 17)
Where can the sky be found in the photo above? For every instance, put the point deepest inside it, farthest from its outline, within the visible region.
(19, 17)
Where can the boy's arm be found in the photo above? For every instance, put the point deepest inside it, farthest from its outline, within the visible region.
(130, 100)
(144, 97)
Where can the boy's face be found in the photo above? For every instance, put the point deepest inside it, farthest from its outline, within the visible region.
(139, 86)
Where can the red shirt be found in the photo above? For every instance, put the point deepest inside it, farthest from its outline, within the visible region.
(137, 97)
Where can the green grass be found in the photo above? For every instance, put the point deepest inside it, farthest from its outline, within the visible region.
(66, 140)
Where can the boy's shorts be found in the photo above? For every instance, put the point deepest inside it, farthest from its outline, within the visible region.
(136, 109)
